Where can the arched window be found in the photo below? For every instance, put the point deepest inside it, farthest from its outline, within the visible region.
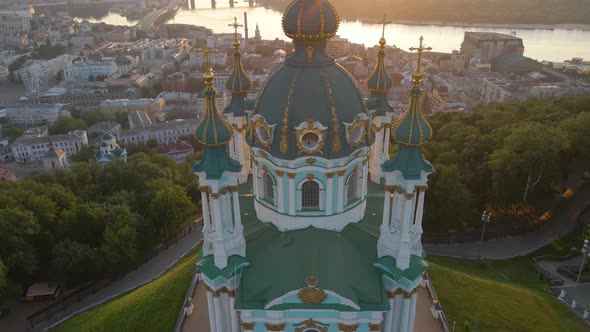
(310, 195)
(268, 190)
(352, 188)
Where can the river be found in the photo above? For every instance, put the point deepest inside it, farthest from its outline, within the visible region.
(542, 44)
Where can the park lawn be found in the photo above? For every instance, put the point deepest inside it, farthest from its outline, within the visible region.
(502, 295)
(152, 307)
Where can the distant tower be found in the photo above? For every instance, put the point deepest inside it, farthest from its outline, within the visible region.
(224, 246)
(245, 30)
(379, 83)
(257, 33)
(239, 84)
(406, 178)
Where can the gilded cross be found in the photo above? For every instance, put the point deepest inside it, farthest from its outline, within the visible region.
(235, 25)
(206, 51)
(384, 21)
(420, 49)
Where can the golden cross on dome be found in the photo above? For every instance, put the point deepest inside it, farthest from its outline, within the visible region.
(206, 51)
(235, 25)
(420, 49)
(384, 21)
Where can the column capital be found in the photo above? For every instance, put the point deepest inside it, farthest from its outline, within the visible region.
(375, 327)
(248, 326)
(347, 328)
(274, 327)
(291, 175)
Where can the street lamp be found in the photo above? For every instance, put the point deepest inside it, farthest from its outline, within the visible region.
(485, 219)
(585, 253)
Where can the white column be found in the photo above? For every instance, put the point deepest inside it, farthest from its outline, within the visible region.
(386, 147)
(420, 212)
(396, 313)
(412, 317)
(340, 193)
(211, 309)
(405, 315)
(236, 208)
(329, 193)
(216, 215)
(219, 313)
(379, 145)
(293, 195)
(280, 193)
(206, 216)
(386, 210)
(389, 317)
(235, 321)
(407, 219)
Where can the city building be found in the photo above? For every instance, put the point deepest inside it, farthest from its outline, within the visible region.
(175, 82)
(55, 158)
(501, 90)
(191, 104)
(178, 150)
(89, 69)
(152, 107)
(515, 64)
(338, 47)
(215, 59)
(11, 23)
(125, 64)
(27, 149)
(109, 150)
(7, 174)
(101, 128)
(311, 244)
(3, 74)
(78, 42)
(488, 45)
(455, 63)
(29, 115)
(138, 119)
(161, 132)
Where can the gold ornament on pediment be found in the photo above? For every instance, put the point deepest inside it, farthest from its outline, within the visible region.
(310, 176)
(279, 173)
(341, 172)
(309, 52)
(330, 175)
(248, 326)
(274, 327)
(310, 294)
(310, 161)
(263, 132)
(311, 324)
(347, 328)
(374, 327)
(357, 131)
(291, 175)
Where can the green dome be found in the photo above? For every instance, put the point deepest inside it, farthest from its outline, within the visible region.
(213, 130)
(412, 129)
(379, 81)
(310, 87)
(310, 20)
(238, 82)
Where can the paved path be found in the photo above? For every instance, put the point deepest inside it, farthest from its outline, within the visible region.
(562, 223)
(552, 267)
(143, 274)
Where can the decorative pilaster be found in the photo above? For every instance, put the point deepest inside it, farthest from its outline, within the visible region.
(292, 203)
(211, 306)
(341, 190)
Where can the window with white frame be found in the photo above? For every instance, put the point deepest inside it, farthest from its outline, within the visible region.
(310, 195)
(268, 190)
(352, 187)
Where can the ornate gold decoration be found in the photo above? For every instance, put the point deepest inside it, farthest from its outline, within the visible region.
(310, 161)
(248, 326)
(336, 144)
(222, 290)
(311, 294)
(258, 125)
(309, 52)
(274, 327)
(347, 328)
(204, 189)
(309, 128)
(399, 291)
(365, 161)
(355, 168)
(263, 153)
(255, 161)
(234, 188)
(330, 175)
(311, 324)
(264, 168)
(374, 327)
(214, 195)
(291, 175)
(358, 123)
(284, 144)
(279, 173)
(341, 172)
(310, 176)
(321, 36)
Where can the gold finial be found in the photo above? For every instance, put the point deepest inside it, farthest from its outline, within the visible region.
(384, 22)
(235, 25)
(208, 74)
(420, 49)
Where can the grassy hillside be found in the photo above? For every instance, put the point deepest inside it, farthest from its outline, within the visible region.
(152, 307)
(499, 296)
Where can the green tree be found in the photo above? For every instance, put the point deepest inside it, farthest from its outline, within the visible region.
(529, 152)
(577, 135)
(118, 249)
(3, 274)
(170, 208)
(64, 125)
(86, 153)
(74, 263)
(17, 228)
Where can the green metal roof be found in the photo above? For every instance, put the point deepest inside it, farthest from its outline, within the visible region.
(237, 106)
(238, 82)
(310, 20)
(309, 86)
(215, 162)
(213, 130)
(408, 160)
(379, 80)
(413, 129)
(207, 266)
(379, 103)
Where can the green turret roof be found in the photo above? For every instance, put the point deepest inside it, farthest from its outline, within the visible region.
(379, 81)
(214, 132)
(411, 131)
(238, 82)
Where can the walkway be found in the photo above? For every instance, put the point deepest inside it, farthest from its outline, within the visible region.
(562, 223)
(142, 275)
(552, 267)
